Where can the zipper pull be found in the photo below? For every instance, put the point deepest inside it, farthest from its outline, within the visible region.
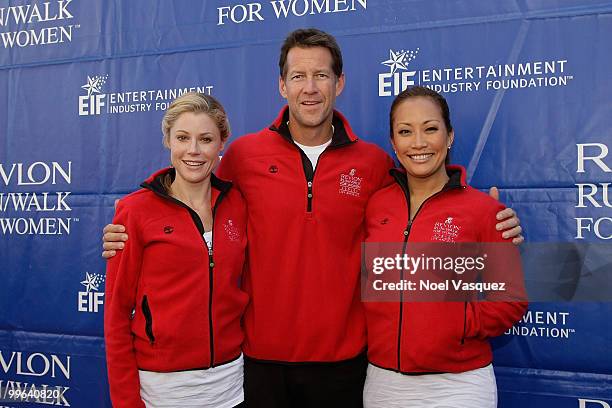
(407, 230)
(211, 262)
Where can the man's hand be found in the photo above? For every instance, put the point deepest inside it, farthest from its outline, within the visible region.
(510, 223)
(114, 238)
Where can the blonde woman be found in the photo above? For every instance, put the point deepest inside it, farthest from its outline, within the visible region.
(173, 304)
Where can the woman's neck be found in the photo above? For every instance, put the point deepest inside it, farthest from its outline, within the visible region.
(423, 188)
(197, 196)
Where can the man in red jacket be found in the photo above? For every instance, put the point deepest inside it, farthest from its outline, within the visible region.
(306, 179)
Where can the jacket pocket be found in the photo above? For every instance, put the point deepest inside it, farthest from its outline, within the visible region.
(146, 311)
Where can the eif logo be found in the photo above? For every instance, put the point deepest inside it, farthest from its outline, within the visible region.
(399, 77)
(92, 103)
(91, 300)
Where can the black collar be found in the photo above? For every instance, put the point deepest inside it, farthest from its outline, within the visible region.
(454, 178)
(157, 186)
(339, 138)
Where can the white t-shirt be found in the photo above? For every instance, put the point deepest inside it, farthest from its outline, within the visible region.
(216, 387)
(208, 238)
(313, 152)
(470, 389)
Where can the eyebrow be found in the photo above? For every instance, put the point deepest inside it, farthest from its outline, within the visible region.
(199, 134)
(424, 123)
(316, 71)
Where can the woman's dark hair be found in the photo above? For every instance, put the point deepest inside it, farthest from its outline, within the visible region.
(421, 91)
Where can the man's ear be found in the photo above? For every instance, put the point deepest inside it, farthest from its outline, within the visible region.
(281, 87)
(340, 84)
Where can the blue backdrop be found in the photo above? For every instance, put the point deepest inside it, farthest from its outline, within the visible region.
(83, 86)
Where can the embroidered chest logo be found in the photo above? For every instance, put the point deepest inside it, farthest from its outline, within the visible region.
(233, 233)
(446, 231)
(350, 184)
(168, 229)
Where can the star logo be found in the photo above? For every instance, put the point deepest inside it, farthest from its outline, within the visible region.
(398, 60)
(91, 282)
(94, 85)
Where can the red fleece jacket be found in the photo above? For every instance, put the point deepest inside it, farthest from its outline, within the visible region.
(171, 304)
(431, 337)
(305, 231)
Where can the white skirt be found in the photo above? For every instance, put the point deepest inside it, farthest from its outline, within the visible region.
(218, 387)
(470, 389)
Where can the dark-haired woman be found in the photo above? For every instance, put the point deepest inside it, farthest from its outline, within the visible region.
(431, 354)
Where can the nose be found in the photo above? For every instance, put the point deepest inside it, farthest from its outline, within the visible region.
(194, 147)
(419, 141)
(310, 87)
